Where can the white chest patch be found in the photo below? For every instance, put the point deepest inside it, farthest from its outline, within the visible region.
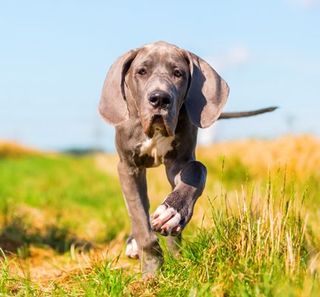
(156, 147)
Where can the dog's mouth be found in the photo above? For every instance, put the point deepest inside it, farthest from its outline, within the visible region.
(159, 124)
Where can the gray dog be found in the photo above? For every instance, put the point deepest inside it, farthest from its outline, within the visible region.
(157, 97)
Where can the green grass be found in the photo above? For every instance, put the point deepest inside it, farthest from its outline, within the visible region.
(68, 192)
(254, 233)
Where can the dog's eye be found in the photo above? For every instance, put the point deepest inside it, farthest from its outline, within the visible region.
(142, 71)
(177, 73)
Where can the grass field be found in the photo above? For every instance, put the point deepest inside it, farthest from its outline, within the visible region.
(255, 231)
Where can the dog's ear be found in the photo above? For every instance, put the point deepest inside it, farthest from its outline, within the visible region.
(113, 105)
(207, 93)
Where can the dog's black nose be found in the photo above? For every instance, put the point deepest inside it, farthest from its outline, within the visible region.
(160, 99)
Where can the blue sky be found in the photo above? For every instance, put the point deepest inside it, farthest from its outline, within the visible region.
(54, 56)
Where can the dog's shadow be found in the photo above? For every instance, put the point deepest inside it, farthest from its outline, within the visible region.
(16, 237)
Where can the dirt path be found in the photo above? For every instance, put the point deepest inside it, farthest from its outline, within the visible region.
(45, 267)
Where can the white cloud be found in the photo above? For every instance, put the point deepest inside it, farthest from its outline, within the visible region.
(234, 57)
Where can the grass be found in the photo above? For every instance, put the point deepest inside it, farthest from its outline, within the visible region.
(255, 230)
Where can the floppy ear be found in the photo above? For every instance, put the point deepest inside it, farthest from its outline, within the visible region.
(207, 93)
(113, 105)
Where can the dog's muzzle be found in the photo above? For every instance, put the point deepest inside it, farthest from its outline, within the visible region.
(159, 113)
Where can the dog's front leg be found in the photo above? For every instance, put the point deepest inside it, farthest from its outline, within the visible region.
(134, 188)
(176, 211)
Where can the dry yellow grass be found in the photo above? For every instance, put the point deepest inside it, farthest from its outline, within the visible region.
(299, 154)
(13, 149)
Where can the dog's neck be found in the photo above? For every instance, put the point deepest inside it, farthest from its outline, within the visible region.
(156, 147)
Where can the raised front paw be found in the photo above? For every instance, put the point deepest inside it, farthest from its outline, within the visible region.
(172, 215)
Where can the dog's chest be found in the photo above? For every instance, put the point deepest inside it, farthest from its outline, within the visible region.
(156, 147)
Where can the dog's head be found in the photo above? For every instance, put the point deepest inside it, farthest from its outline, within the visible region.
(155, 81)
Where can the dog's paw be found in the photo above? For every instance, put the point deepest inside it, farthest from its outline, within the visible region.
(173, 214)
(132, 250)
(166, 220)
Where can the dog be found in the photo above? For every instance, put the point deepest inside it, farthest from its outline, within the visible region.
(157, 97)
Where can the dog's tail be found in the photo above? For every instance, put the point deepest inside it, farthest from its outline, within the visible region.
(243, 114)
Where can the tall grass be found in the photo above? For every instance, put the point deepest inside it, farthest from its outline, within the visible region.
(257, 245)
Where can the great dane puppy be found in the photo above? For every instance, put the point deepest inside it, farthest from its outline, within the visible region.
(157, 97)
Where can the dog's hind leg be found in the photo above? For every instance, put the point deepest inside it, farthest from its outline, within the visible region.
(174, 244)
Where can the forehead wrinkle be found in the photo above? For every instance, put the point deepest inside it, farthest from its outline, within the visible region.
(174, 60)
(165, 59)
(145, 57)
